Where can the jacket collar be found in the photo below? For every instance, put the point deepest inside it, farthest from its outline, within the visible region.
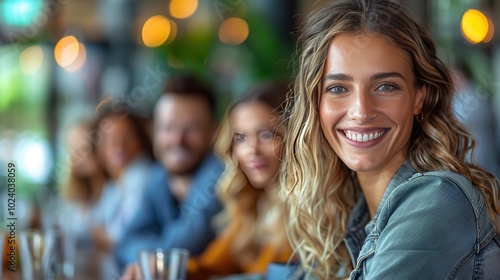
(359, 223)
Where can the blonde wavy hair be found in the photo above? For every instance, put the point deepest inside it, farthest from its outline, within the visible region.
(236, 192)
(320, 190)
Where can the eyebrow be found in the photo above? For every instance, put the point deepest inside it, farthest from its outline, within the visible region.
(378, 76)
(239, 131)
(339, 77)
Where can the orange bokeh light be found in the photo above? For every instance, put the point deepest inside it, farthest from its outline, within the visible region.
(66, 51)
(155, 31)
(474, 26)
(79, 61)
(182, 9)
(233, 31)
(491, 32)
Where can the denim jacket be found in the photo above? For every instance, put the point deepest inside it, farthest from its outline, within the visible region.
(432, 225)
(163, 222)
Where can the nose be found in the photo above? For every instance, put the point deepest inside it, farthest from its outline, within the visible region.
(362, 107)
(252, 145)
(177, 136)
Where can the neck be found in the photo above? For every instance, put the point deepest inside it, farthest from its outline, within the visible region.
(374, 183)
(271, 187)
(180, 185)
(180, 177)
(268, 197)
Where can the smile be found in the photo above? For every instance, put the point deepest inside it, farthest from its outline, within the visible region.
(258, 166)
(363, 137)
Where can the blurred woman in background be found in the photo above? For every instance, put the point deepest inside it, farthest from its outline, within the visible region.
(85, 184)
(249, 142)
(124, 151)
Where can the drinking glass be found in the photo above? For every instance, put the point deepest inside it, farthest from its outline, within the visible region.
(38, 256)
(162, 264)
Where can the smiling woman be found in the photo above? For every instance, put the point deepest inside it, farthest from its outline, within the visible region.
(367, 109)
(374, 161)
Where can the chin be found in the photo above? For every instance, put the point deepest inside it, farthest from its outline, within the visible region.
(360, 165)
(171, 166)
(258, 186)
(178, 170)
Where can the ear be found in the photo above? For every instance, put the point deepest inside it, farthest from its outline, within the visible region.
(420, 96)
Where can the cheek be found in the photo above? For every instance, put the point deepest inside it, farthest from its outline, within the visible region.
(195, 140)
(271, 153)
(105, 144)
(101, 149)
(401, 113)
(238, 155)
(328, 116)
(104, 156)
(202, 138)
(134, 145)
(278, 148)
(161, 139)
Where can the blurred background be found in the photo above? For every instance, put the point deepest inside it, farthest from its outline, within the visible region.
(60, 58)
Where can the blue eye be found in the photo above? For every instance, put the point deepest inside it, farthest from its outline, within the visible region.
(267, 135)
(387, 87)
(337, 89)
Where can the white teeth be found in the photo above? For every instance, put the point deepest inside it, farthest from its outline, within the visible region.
(362, 137)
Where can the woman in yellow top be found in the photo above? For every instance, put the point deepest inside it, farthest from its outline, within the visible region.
(249, 142)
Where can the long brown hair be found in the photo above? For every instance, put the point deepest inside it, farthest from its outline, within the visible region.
(321, 191)
(84, 189)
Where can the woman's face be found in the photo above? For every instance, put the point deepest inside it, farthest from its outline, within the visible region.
(120, 145)
(368, 102)
(255, 144)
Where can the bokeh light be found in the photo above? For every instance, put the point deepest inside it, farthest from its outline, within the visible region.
(20, 12)
(474, 26)
(173, 32)
(79, 61)
(233, 31)
(66, 51)
(31, 60)
(34, 159)
(182, 9)
(491, 32)
(155, 31)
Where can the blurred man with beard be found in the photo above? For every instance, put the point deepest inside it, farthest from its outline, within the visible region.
(180, 199)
